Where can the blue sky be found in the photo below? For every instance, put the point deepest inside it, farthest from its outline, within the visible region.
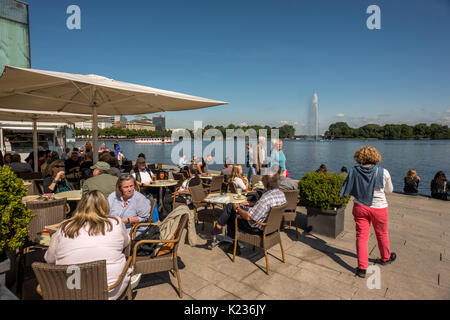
(264, 57)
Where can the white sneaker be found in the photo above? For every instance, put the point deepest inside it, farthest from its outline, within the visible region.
(134, 281)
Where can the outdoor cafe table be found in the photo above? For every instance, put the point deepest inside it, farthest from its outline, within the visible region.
(161, 184)
(74, 195)
(209, 176)
(226, 198)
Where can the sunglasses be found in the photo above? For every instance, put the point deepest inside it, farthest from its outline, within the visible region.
(59, 166)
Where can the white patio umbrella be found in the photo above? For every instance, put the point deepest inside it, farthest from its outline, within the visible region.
(32, 89)
(41, 116)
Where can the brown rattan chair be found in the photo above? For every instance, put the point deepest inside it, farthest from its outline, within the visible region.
(231, 187)
(93, 281)
(47, 213)
(254, 179)
(216, 184)
(166, 262)
(269, 237)
(290, 213)
(179, 177)
(205, 212)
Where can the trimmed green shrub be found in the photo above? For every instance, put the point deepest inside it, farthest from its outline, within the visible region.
(321, 190)
(15, 217)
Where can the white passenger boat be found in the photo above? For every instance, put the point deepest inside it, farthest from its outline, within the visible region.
(163, 140)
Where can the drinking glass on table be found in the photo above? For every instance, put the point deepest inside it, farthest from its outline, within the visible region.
(239, 192)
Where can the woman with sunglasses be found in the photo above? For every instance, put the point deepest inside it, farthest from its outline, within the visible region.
(55, 180)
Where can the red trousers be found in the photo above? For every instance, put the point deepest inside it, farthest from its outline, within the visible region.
(379, 218)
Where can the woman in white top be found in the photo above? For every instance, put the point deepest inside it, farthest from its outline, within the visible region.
(368, 183)
(239, 180)
(92, 235)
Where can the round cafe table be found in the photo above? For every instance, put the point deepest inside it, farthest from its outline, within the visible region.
(161, 184)
(225, 198)
(74, 195)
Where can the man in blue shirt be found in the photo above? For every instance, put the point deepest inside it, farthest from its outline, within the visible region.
(128, 204)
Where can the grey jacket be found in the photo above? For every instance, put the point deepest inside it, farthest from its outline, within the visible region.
(168, 227)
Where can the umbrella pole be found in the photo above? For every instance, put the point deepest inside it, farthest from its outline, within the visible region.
(35, 145)
(94, 133)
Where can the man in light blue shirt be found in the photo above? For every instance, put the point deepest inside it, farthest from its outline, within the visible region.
(128, 204)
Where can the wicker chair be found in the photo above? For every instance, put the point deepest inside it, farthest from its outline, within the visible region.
(269, 237)
(166, 262)
(53, 281)
(254, 179)
(179, 177)
(216, 184)
(203, 211)
(231, 187)
(290, 213)
(47, 213)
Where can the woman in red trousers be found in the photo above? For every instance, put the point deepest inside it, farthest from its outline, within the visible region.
(368, 183)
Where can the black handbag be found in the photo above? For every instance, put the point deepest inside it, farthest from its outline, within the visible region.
(147, 249)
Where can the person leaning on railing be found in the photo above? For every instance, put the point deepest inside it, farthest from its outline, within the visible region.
(368, 182)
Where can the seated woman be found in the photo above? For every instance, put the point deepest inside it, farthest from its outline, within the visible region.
(239, 180)
(55, 180)
(183, 194)
(439, 189)
(412, 181)
(128, 204)
(92, 235)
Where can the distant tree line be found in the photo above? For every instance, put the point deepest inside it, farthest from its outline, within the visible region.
(341, 130)
(115, 132)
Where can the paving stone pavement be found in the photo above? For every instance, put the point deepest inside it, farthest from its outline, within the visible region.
(318, 267)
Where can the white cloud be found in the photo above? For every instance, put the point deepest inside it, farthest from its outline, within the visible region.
(339, 115)
(243, 124)
(284, 122)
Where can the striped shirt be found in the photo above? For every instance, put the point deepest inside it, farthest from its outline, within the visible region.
(260, 211)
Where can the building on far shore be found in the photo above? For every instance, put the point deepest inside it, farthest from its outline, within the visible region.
(160, 122)
(141, 123)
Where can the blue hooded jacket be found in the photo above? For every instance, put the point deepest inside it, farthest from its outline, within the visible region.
(361, 182)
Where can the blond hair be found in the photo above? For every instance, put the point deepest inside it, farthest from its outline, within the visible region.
(235, 172)
(411, 173)
(92, 210)
(367, 155)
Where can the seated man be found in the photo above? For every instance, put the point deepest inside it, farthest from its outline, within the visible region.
(101, 180)
(285, 182)
(143, 175)
(226, 171)
(128, 204)
(18, 166)
(273, 197)
(73, 163)
(202, 166)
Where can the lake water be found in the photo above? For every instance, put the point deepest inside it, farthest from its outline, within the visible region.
(426, 157)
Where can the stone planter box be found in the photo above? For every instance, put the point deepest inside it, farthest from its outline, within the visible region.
(329, 223)
(5, 266)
